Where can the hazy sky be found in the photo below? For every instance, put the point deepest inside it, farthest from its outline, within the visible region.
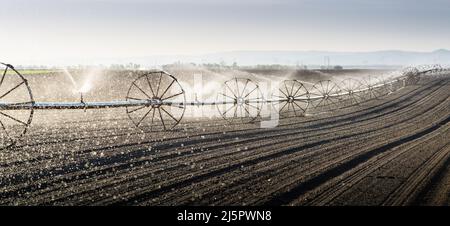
(49, 29)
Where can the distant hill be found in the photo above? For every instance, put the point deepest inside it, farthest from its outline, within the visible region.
(388, 58)
(378, 59)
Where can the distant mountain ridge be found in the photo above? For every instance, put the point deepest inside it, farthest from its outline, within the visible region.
(388, 57)
(246, 58)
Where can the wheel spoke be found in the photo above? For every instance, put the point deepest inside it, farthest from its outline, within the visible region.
(137, 109)
(353, 99)
(298, 89)
(303, 110)
(153, 117)
(3, 76)
(303, 94)
(137, 125)
(141, 90)
(237, 86)
(321, 91)
(328, 104)
(23, 82)
(248, 94)
(325, 87)
(246, 110)
(6, 132)
(162, 120)
(359, 96)
(292, 88)
(245, 86)
(379, 92)
(287, 90)
(332, 88)
(372, 94)
(176, 120)
(150, 85)
(293, 107)
(252, 106)
(159, 83)
(227, 96)
(284, 106)
(334, 102)
(321, 100)
(317, 90)
(17, 120)
(283, 93)
(173, 96)
(228, 110)
(226, 84)
(162, 95)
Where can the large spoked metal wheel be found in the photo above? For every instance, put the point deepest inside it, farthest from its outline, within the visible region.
(160, 101)
(412, 76)
(325, 96)
(374, 88)
(240, 101)
(16, 106)
(291, 99)
(352, 91)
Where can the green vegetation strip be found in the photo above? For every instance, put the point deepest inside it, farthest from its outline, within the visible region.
(31, 72)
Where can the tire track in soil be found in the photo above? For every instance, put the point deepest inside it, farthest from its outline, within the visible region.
(435, 192)
(410, 190)
(324, 196)
(295, 193)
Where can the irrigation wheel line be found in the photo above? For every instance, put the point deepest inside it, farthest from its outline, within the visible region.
(156, 101)
(14, 92)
